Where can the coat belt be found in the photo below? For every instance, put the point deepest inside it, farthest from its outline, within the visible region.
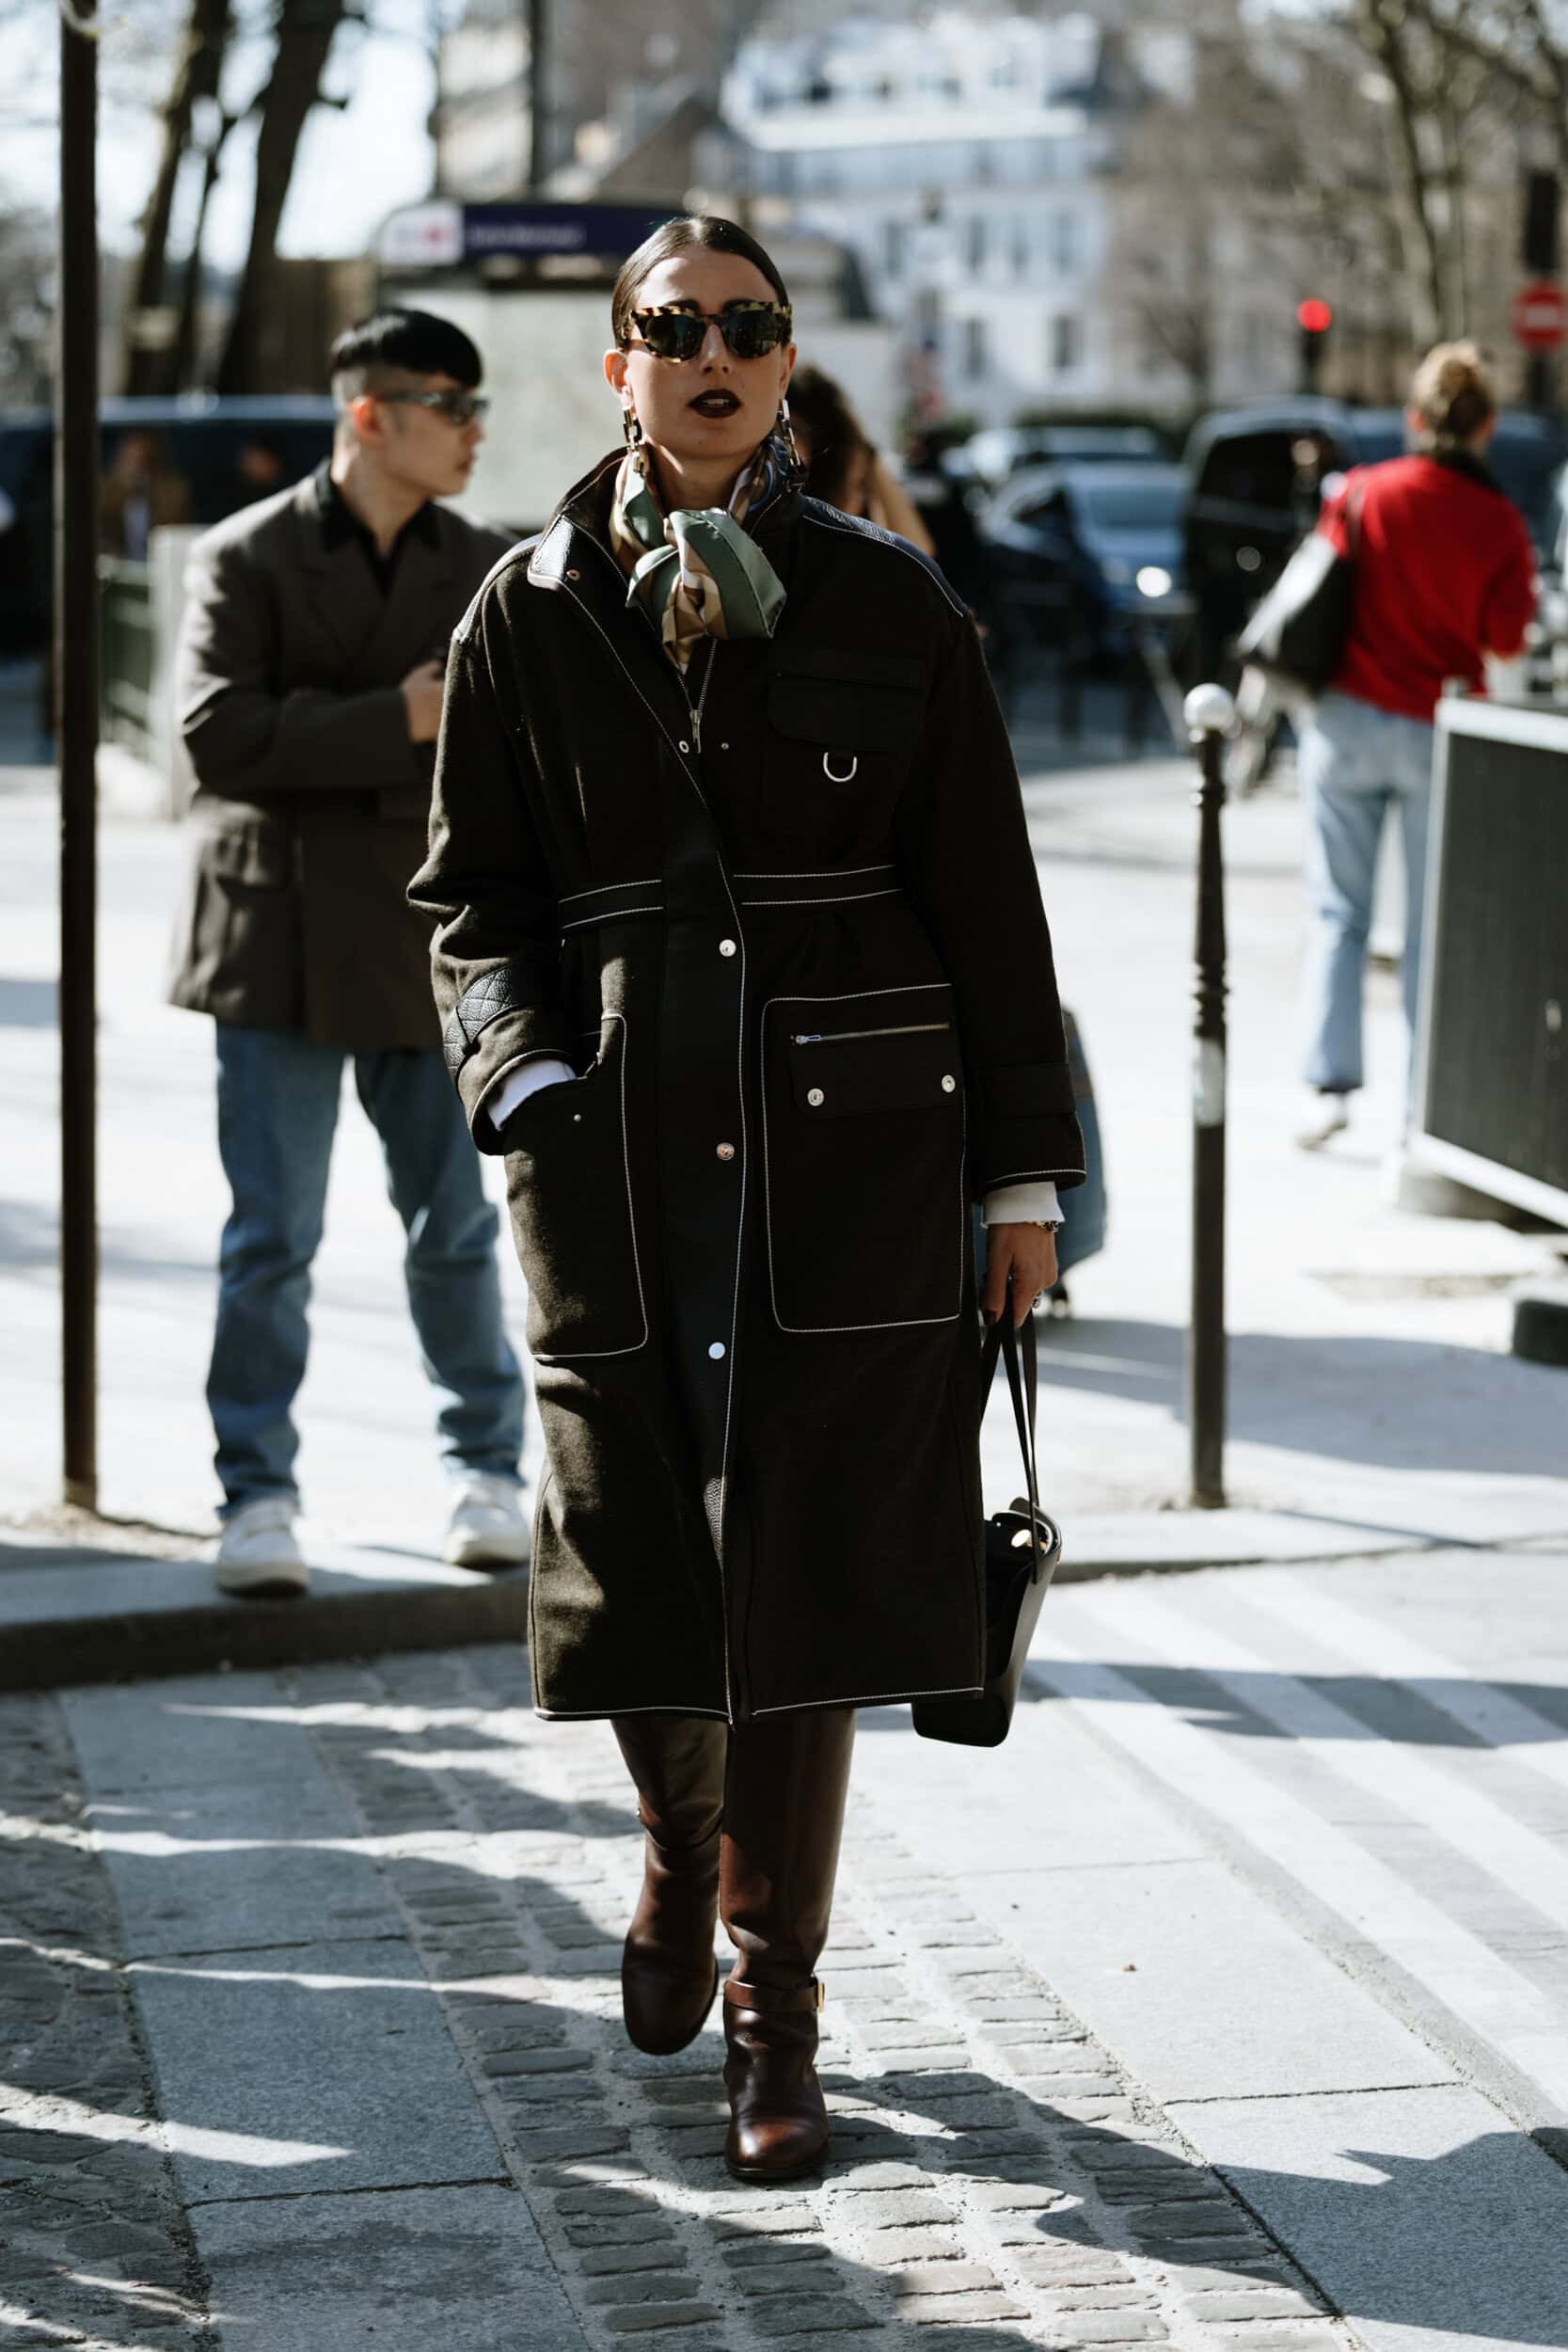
(827, 886)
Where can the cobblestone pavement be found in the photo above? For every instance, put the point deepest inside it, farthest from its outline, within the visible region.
(995, 2180)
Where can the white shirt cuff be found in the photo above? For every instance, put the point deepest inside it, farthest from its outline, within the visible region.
(1022, 1204)
(524, 1078)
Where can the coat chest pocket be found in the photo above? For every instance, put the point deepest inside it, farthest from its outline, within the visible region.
(568, 1184)
(841, 716)
(864, 1159)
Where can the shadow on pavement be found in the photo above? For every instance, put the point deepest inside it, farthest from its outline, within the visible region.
(1394, 1404)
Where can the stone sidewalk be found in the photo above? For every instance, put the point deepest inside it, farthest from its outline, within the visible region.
(321, 2048)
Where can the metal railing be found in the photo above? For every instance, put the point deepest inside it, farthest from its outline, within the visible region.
(127, 655)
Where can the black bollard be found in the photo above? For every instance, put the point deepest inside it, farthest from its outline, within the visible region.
(1211, 715)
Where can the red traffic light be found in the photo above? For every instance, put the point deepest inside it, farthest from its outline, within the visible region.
(1314, 317)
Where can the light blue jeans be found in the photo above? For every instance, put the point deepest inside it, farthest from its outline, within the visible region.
(277, 1109)
(1357, 764)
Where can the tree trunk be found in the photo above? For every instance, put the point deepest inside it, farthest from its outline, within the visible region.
(147, 367)
(1382, 25)
(186, 352)
(305, 34)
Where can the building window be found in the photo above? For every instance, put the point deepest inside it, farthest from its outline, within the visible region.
(1067, 343)
(893, 248)
(1064, 243)
(1020, 256)
(974, 347)
(974, 241)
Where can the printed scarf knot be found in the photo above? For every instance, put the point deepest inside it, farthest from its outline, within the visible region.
(697, 571)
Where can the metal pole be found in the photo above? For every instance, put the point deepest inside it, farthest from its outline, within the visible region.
(76, 739)
(1210, 715)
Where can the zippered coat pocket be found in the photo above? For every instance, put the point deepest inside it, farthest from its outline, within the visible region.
(864, 1159)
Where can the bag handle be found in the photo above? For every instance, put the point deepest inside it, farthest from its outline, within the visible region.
(1022, 1380)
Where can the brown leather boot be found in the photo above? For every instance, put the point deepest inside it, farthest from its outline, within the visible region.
(783, 1815)
(668, 1975)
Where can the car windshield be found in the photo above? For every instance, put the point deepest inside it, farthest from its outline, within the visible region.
(1133, 506)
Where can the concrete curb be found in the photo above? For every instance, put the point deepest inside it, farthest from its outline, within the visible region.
(133, 1644)
(104, 1604)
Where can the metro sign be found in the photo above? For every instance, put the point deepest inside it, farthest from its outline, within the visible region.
(1539, 315)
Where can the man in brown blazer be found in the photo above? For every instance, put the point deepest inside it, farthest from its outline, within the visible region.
(310, 681)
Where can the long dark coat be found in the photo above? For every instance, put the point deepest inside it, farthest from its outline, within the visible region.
(312, 802)
(798, 957)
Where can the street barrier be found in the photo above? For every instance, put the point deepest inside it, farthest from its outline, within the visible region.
(1490, 1090)
(127, 655)
(1210, 718)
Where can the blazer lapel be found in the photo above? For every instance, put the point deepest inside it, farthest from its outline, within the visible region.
(344, 601)
(417, 619)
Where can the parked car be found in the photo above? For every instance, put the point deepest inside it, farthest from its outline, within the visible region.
(1257, 477)
(205, 439)
(991, 456)
(1082, 556)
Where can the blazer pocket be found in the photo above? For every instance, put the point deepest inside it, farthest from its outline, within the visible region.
(863, 1171)
(568, 1184)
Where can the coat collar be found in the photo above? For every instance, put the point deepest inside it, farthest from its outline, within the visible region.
(573, 556)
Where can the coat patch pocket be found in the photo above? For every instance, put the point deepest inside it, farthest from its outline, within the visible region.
(864, 1159)
(568, 1185)
(856, 703)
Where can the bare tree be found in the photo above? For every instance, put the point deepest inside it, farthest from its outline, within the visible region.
(152, 358)
(306, 32)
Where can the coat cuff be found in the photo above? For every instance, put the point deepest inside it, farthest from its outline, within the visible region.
(490, 1027)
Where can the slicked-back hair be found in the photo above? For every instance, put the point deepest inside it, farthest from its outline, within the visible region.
(368, 355)
(691, 230)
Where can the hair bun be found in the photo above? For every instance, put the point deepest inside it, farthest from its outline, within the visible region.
(1452, 395)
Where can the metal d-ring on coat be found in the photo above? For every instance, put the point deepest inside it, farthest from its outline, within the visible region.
(813, 1014)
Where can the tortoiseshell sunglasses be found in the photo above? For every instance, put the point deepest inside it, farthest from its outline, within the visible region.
(675, 331)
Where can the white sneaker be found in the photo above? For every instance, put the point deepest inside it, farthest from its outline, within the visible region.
(1324, 1116)
(487, 1528)
(259, 1552)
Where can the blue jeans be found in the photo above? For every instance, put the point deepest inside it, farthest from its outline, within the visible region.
(278, 1109)
(1357, 764)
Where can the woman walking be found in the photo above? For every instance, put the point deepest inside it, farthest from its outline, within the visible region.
(843, 468)
(1444, 576)
(744, 970)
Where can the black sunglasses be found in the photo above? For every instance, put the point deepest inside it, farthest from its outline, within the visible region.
(457, 408)
(750, 329)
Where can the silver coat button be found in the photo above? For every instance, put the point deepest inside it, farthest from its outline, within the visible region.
(726, 1151)
(726, 946)
(716, 1350)
(814, 1096)
(949, 1085)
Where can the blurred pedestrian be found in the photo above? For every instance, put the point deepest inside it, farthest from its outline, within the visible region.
(310, 683)
(143, 491)
(735, 900)
(940, 501)
(843, 468)
(259, 468)
(1444, 576)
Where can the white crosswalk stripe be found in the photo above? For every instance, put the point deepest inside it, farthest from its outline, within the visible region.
(1494, 1999)
(1529, 1865)
(1375, 1646)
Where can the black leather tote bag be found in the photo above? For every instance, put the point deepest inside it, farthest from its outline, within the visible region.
(1022, 1546)
(1297, 635)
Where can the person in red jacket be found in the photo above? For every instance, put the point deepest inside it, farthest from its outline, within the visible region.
(1445, 575)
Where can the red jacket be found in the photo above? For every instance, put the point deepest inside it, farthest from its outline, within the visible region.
(1445, 573)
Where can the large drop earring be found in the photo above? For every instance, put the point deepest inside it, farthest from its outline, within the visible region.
(631, 427)
(786, 433)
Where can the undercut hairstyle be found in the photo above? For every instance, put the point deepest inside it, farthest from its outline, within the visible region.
(1452, 395)
(375, 353)
(683, 235)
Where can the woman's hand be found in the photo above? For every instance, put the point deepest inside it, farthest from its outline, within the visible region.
(1028, 1254)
